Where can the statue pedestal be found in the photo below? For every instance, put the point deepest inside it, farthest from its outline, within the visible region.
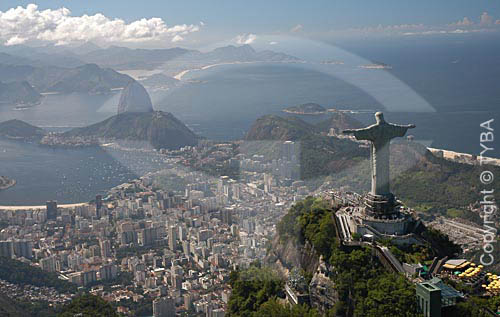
(381, 206)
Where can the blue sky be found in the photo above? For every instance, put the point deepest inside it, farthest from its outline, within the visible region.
(278, 14)
(224, 19)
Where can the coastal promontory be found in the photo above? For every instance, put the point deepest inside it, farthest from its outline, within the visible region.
(157, 129)
(19, 94)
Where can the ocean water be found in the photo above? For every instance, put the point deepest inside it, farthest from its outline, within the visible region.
(229, 98)
(68, 176)
(446, 89)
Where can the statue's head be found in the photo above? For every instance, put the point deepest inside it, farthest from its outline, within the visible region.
(380, 117)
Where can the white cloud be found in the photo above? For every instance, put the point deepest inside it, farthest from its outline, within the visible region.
(383, 30)
(24, 25)
(297, 28)
(464, 22)
(177, 38)
(485, 19)
(245, 38)
(458, 31)
(466, 25)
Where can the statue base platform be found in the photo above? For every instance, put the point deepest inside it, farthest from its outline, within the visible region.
(381, 206)
(381, 216)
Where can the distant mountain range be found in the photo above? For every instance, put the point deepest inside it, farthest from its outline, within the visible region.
(125, 58)
(50, 55)
(91, 69)
(117, 57)
(88, 78)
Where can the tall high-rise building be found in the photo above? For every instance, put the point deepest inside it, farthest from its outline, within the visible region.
(51, 210)
(89, 277)
(48, 263)
(23, 248)
(147, 236)
(268, 181)
(105, 248)
(7, 249)
(172, 238)
(227, 215)
(98, 205)
(164, 307)
(288, 151)
(108, 271)
(182, 233)
(236, 191)
(186, 247)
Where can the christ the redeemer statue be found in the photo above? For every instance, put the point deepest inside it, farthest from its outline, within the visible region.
(380, 135)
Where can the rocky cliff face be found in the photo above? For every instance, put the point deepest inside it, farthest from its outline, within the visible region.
(135, 98)
(290, 254)
(286, 255)
(323, 292)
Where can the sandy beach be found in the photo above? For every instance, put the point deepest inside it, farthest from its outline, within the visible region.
(184, 72)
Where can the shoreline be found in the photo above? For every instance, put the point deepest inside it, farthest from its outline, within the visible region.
(3, 208)
(181, 74)
(464, 158)
(184, 72)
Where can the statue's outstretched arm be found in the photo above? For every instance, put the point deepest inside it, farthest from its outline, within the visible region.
(400, 130)
(360, 134)
(351, 131)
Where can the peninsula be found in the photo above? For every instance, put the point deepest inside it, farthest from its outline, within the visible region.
(136, 123)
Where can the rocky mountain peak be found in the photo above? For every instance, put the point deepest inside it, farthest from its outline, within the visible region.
(135, 98)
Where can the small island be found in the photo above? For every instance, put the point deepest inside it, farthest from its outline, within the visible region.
(376, 65)
(307, 108)
(6, 182)
(332, 62)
